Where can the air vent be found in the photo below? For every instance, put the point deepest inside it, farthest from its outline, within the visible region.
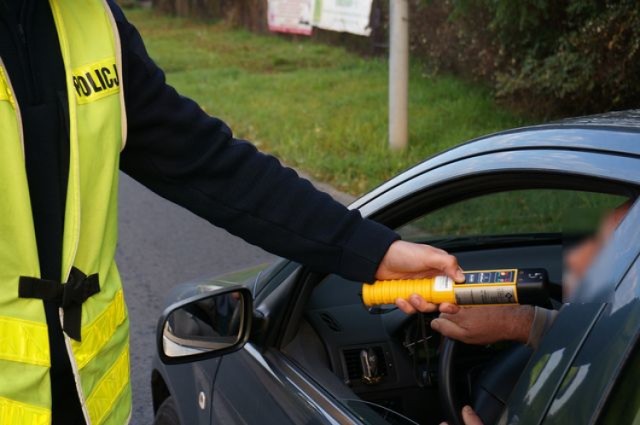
(331, 322)
(353, 364)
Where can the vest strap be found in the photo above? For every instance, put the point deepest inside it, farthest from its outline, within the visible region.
(69, 296)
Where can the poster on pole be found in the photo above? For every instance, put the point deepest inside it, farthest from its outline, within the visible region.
(343, 16)
(291, 16)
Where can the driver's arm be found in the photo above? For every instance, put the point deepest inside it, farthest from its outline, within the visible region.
(490, 324)
(542, 320)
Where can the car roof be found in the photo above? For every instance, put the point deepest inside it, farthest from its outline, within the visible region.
(613, 133)
(629, 119)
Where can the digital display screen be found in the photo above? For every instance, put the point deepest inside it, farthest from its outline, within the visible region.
(499, 276)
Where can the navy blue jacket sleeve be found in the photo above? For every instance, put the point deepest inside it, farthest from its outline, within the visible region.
(175, 149)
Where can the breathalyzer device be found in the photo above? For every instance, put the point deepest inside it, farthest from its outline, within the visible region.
(482, 287)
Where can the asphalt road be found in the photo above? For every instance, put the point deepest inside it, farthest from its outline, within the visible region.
(160, 245)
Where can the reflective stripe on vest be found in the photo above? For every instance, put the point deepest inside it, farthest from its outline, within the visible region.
(91, 54)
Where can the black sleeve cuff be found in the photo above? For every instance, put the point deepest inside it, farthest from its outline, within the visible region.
(364, 250)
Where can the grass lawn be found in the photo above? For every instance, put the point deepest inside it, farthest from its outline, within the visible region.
(317, 107)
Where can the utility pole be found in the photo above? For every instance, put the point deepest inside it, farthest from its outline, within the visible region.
(398, 74)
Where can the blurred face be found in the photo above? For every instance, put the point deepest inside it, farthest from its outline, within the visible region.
(580, 258)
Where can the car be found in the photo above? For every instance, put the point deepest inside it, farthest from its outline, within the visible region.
(286, 345)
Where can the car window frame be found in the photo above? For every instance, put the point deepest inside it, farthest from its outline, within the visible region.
(621, 141)
(272, 277)
(518, 168)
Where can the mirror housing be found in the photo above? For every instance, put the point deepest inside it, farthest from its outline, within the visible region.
(205, 326)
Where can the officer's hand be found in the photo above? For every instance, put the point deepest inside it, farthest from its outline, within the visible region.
(486, 324)
(469, 417)
(406, 260)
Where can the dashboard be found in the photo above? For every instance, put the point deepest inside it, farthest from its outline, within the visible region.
(347, 328)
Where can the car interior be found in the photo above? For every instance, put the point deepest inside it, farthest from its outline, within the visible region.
(386, 366)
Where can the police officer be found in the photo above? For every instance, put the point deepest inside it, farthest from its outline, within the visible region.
(79, 100)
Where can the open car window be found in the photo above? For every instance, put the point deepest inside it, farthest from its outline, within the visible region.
(518, 212)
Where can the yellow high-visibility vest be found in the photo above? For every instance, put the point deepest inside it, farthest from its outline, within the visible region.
(91, 52)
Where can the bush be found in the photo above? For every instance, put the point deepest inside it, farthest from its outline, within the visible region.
(569, 57)
(454, 37)
(549, 58)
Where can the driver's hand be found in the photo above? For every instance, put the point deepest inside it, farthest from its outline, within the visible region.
(469, 417)
(407, 260)
(486, 324)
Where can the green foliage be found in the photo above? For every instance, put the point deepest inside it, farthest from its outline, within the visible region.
(565, 57)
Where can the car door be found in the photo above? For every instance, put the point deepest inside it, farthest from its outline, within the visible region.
(571, 376)
(250, 389)
(623, 403)
(259, 384)
(254, 385)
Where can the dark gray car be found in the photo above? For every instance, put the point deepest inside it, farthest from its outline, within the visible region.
(286, 345)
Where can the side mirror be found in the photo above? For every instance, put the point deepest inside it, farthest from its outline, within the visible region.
(205, 326)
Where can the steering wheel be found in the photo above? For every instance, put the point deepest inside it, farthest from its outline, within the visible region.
(493, 387)
(446, 383)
